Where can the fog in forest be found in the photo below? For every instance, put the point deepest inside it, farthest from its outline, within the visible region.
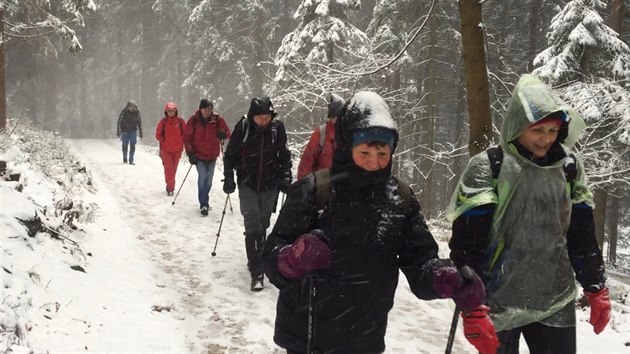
(298, 53)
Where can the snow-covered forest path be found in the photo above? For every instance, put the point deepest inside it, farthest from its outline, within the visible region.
(215, 306)
(218, 312)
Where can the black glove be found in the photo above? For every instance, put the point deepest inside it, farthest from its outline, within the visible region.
(221, 134)
(229, 186)
(192, 158)
(284, 184)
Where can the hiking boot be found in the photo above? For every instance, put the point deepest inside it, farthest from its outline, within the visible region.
(124, 160)
(204, 210)
(131, 163)
(169, 193)
(257, 283)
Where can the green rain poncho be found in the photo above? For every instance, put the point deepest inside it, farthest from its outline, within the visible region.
(530, 277)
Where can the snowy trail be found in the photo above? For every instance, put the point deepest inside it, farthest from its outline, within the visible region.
(180, 241)
(216, 311)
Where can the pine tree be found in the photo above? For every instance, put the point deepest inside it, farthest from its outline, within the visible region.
(36, 19)
(323, 36)
(590, 67)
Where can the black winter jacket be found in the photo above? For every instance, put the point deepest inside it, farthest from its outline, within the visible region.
(372, 235)
(263, 160)
(129, 122)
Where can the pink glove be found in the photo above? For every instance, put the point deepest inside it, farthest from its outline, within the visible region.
(600, 309)
(464, 286)
(309, 252)
(479, 330)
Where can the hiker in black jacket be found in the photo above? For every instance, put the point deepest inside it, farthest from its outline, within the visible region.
(128, 129)
(369, 227)
(258, 152)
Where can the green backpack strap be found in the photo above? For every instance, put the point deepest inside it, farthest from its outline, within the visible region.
(322, 189)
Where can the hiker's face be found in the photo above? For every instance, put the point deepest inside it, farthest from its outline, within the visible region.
(262, 120)
(205, 112)
(170, 112)
(538, 139)
(372, 157)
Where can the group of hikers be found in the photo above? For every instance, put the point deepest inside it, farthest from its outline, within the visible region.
(522, 223)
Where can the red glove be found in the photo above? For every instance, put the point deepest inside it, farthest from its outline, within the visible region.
(309, 252)
(600, 309)
(479, 330)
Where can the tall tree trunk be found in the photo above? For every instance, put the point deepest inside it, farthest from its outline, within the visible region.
(149, 107)
(393, 85)
(533, 33)
(600, 216)
(476, 74)
(259, 55)
(615, 20)
(612, 221)
(426, 164)
(51, 121)
(3, 98)
(87, 121)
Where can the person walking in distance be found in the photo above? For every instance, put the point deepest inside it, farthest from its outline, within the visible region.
(170, 135)
(204, 134)
(128, 129)
(522, 217)
(347, 232)
(259, 154)
(318, 153)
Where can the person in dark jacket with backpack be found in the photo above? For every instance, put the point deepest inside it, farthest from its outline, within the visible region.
(203, 140)
(259, 154)
(170, 134)
(523, 218)
(128, 128)
(318, 153)
(342, 237)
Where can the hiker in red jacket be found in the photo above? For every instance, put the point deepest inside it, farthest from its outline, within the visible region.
(204, 136)
(170, 134)
(319, 150)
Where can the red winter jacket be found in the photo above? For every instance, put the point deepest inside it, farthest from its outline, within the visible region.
(170, 133)
(315, 158)
(200, 136)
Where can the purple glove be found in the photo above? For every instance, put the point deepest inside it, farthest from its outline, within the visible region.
(465, 286)
(309, 252)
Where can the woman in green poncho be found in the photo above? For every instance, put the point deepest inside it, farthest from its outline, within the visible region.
(526, 224)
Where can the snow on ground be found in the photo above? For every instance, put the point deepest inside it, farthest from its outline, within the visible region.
(151, 285)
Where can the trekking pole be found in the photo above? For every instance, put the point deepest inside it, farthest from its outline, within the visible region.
(312, 293)
(214, 253)
(180, 187)
(229, 200)
(451, 333)
(468, 274)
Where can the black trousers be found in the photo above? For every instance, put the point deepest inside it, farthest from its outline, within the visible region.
(540, 339)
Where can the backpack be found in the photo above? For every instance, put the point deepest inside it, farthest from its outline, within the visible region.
(322, 189)
(495, 155)
(322, 136)
(245, 126)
